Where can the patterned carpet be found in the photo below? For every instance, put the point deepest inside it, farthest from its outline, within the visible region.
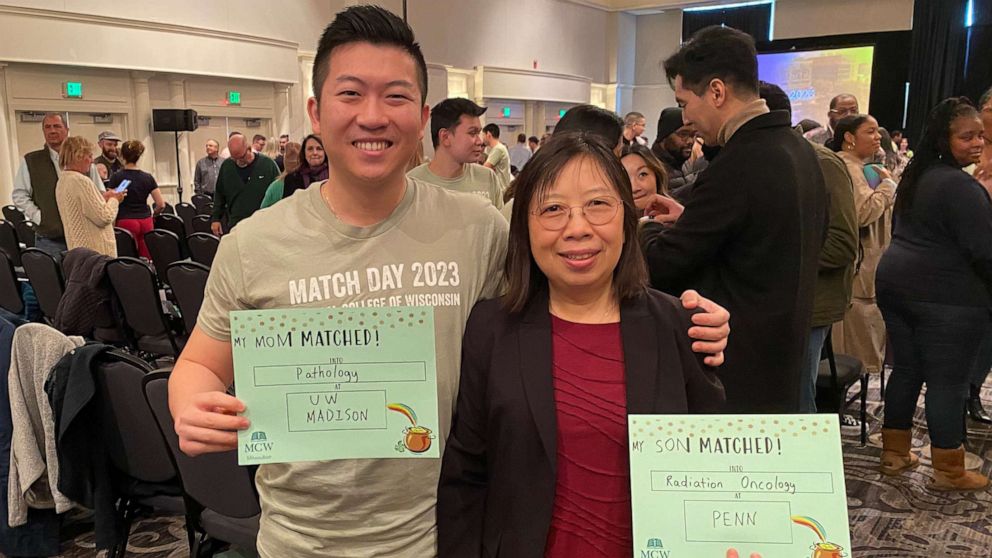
(890, 517)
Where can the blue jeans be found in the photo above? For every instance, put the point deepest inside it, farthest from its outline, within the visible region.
(807, 381)
(936, 344)
(983, 362)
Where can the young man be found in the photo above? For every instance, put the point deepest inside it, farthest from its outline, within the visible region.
(752, 230)
(520, 154)
(673, 147)
(457, 137)
(633, 128)
(280, 157)
(367, 214)
(533, 143)
(497, 155)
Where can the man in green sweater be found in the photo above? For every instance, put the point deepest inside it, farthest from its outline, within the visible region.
(241, 183)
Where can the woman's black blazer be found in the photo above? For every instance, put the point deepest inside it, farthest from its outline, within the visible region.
(497, 484)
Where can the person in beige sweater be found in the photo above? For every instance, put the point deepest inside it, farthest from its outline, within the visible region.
(87, 216)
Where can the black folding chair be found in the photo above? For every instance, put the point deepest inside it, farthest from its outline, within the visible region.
(203, 248)
(173, 223)
(835, 376)
(135, 447)
(168, 210)
(26, 232)
(201, 224)
(10, 287)
(164, 248)
(45, 275)
(9, 244)
(135, 285)
(186, 212)
(126, 245)
(188, 281)
(13, 214)
(200, 201)
(220, 496)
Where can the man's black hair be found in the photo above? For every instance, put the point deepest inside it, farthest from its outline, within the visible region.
(448, 113)
(521, 138)
(367, 24)
(715, 52)
(533, 139)
(774, 97)
(602, 123)
(492, 129)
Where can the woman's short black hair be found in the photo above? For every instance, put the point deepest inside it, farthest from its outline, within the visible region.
(524, 279)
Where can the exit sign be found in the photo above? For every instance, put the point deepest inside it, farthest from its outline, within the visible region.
(561, 113)
(506, 112)
(234, 97)
(73, 90)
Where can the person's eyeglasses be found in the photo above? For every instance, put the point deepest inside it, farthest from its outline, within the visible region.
(598, 211)
(844, 112)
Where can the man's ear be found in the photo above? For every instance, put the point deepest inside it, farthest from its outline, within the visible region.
(717, 89)
(313, 111)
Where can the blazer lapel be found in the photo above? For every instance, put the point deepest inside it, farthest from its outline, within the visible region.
(640, 341)
(535, 366)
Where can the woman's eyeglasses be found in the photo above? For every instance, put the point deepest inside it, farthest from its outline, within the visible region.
(598, 211)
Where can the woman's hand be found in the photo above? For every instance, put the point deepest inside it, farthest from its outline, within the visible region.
(732, 553)
(209, 423)
(883, 172)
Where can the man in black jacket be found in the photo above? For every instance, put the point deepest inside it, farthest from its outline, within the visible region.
(750, 234)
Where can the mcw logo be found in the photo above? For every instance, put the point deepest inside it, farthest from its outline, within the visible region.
(258, 443)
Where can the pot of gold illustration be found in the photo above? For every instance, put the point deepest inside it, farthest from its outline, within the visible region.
(827, 550)
(417, 439)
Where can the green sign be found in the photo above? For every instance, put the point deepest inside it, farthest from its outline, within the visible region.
(506, 112)
(336, 383)
(74, 89)
(767, 484)
(234, 97)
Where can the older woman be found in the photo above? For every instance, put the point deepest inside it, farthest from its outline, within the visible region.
(538, 447)
(87, 216)
(647, 174)
(934, 286)
(311, 168)
(862, 331)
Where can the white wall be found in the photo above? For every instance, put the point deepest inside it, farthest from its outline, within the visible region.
(658, 36)
(564, 38)
(818, 18)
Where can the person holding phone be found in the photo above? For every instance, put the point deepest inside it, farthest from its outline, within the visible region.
(861, 333)
(87, 215)
(134, 214)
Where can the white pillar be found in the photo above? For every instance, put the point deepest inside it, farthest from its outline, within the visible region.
(281, 122)
(141, 124)
(8, 157)
(177, 99)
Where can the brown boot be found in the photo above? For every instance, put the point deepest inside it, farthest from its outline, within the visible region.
(896, 456)
(949, 472)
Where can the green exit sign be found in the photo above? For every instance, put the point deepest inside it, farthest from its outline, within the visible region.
(506, 112)
(561, 113)
(74, 89)
(234, 97)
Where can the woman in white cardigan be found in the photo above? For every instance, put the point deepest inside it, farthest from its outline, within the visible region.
(87, 216)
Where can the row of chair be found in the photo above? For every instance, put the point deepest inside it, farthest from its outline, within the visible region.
(166, 247)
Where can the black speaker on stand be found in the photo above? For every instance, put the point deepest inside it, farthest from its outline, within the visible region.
(175, 121)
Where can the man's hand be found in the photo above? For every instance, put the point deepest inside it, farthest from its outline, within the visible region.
(216, 228)
(209, 423)
(711, 327)
(663, 209)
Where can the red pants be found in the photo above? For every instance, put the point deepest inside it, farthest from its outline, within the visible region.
(138, 228)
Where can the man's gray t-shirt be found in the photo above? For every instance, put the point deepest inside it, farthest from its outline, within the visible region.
(445, 250)
(475, 179)
(499, 158)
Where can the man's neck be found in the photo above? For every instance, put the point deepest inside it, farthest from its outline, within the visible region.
(110, 158)
(362, 205)
(492, 144)
(55, 148)
(445, 166)
(247, 160)
(629, 134)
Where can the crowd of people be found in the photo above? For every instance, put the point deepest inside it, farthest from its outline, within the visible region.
(601, 274)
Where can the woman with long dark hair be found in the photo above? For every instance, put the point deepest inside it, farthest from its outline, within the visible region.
(861, 333)
(536, 464)
(935, 292)
(312, 169)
